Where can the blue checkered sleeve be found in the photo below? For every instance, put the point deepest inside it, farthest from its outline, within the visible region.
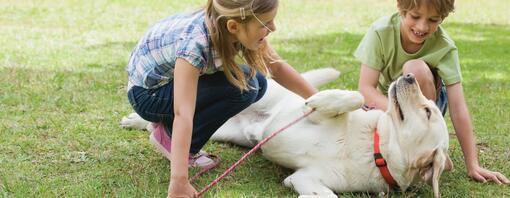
(185, 36)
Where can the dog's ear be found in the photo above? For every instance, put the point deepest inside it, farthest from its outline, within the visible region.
(424, 165)
(431, 166)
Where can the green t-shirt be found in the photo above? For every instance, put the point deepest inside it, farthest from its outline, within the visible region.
(381, 49)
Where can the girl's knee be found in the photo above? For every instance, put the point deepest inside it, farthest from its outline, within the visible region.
(257, 88)
(262, 86)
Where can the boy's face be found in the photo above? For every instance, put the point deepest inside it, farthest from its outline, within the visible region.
(418, 24)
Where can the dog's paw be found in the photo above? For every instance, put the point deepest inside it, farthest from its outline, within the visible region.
(287, 182)
(133, 121)
(335, 102)
(322, 102)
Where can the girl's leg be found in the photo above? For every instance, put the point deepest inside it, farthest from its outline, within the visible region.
(154, 105)
(217, 101)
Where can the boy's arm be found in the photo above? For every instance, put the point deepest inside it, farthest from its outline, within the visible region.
(368, 79)
(464, 131)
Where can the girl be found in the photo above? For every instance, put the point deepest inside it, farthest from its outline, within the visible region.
(186, 78)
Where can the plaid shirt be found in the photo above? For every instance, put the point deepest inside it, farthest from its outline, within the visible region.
(152, 61)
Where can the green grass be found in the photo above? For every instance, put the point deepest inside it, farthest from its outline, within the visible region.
(62, 94)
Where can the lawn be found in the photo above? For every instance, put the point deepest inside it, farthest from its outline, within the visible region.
(62, 94)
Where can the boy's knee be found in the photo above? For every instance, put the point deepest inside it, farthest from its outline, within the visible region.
(424, 76)
(421, 71)
(415, 66)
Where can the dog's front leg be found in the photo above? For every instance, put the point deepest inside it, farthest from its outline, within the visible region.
(333, 103)
(304, 183)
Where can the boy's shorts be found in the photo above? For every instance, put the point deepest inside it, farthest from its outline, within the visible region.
(441, 97)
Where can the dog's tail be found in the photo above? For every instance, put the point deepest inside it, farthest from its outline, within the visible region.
(320, 77)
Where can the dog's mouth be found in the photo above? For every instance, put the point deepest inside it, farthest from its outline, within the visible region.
(398, 109)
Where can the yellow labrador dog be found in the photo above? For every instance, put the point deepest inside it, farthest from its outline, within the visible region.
(332, 150)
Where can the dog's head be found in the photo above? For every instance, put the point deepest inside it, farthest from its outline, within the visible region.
(421, 131)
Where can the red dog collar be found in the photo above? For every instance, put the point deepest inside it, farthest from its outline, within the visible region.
(380, 162)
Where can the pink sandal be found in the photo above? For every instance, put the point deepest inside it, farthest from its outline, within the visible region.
(201, 160)
(204, 161)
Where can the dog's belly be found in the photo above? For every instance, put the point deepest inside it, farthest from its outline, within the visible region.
(305, 142)
(301, 145)
(341, 148)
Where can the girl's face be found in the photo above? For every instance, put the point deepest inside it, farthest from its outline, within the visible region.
(418, 24)
(253, 33)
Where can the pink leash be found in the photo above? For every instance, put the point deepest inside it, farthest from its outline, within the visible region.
(229, 170)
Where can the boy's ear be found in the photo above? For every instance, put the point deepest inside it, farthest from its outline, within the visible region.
(233, 26)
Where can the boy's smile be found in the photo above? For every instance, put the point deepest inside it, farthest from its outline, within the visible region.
(417, 25)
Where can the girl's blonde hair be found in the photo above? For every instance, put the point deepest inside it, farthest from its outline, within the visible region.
(443, 7)
(218, 12)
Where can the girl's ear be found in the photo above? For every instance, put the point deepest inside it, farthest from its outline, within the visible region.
(233, 26)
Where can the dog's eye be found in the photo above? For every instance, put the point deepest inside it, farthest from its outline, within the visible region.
(427, 110)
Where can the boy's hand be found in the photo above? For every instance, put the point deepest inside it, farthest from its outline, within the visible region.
(483, 175)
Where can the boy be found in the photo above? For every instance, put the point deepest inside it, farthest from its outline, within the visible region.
(411, 41)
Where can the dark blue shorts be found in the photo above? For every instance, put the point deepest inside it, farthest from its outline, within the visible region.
(442, 98)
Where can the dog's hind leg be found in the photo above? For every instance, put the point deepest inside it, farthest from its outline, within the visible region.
(304, 183)
(334, 102)
(134, 121)
(241, 129)
(247, 127)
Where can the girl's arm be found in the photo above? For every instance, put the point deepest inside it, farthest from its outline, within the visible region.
(464, 130)
(288, 77)
(368, 79)
(185, 93)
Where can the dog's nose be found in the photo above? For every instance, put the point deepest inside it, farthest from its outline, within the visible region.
(409, 78)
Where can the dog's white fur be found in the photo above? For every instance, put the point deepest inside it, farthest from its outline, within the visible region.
(332, 150)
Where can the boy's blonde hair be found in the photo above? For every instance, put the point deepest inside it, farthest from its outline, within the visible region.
(218, 12)
(443, 7)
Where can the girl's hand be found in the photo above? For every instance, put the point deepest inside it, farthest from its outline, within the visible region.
(181, 189)
(483, 175)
